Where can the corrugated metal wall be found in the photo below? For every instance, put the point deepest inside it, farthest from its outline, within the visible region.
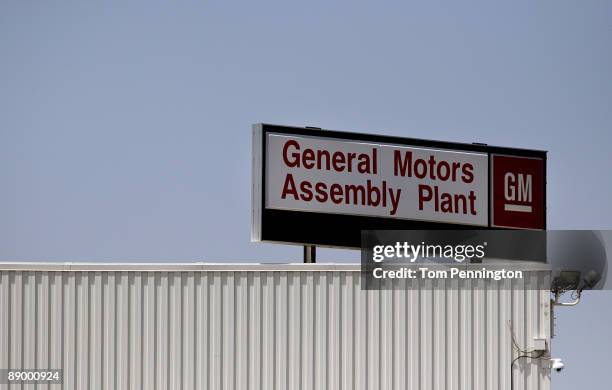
(261, 327)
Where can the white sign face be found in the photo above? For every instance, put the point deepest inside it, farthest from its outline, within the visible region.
(316, 174)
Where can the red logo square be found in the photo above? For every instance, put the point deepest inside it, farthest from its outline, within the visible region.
(518, 192)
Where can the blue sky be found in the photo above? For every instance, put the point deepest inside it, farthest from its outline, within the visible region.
(125, 128)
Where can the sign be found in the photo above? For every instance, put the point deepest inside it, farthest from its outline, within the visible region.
(518, 192)
(319, 187)
(325, 175)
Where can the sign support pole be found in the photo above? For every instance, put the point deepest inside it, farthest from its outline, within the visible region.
(310, 251)
(310, 254)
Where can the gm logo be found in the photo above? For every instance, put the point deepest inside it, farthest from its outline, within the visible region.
(517, 189)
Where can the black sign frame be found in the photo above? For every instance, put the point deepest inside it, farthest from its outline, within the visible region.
(342, 230)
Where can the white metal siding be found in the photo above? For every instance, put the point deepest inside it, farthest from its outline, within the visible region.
(296, 327)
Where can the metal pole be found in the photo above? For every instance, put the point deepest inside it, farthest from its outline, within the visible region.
(310, 254)
(310, 251)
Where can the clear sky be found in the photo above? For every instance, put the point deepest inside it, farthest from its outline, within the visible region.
(125, 128)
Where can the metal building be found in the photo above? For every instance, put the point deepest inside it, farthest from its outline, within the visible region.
(258, 326)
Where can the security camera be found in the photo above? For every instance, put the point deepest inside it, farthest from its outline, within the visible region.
(557, 365)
